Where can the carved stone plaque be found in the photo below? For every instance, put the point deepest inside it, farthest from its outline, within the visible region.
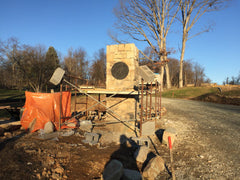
(120, 70)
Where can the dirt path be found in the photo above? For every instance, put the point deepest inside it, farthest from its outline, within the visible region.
(208, 144)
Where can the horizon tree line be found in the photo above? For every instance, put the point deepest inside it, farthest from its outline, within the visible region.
(31, 67)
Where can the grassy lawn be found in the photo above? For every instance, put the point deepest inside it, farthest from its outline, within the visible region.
(189, 92)
(235, 92)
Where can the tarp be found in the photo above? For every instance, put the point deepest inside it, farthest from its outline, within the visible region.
(44, 107)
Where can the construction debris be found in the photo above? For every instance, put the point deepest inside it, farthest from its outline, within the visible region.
(141, 141)
(169, 132)
(86, 125)
(48, 127)
(91, 138)
(154, 167)
(126, 108)
(141, 154)
(148, 128)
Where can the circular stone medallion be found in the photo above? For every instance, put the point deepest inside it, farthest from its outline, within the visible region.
(120, 70)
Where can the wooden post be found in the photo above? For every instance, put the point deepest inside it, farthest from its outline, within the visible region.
(60, 108)
(171, 157)
(75, 100)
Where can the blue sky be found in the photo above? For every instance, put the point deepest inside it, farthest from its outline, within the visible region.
(85, 23)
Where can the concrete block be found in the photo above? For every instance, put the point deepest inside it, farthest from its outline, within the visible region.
(154, 167)
(148, 128)
(91, 138)
(141, 154)
(113, 170)
(129, 174)
(146, 73)
(143, 141)
(169, 132)
(57, 76)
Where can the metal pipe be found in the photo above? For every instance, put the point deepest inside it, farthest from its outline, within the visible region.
(141, 118)
(146, 108)
(160, 102)
(155, 98)
(99, 99)
(150, 113)
(112, 122)
(86, 106)
(158, 98)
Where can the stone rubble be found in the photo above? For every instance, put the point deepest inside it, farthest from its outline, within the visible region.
(48, 127)
(154, 167)
(169, 132)
(141, 154)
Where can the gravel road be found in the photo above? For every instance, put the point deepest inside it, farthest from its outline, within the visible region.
(208, 142)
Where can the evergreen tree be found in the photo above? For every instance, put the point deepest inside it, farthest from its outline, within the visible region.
(51, 61)
(52, 58)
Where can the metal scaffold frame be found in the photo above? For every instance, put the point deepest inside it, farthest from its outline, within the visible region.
(145, 110)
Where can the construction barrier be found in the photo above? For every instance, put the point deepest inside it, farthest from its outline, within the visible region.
(41, 108)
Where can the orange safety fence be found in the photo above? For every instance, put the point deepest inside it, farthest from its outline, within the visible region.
(45, 107)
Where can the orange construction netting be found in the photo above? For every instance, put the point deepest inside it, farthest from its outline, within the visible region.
(44, 107)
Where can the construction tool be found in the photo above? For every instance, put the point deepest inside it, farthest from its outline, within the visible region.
(171, 157)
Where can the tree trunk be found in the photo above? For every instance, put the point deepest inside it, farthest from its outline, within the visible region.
(184, 39)
(168, 82)
(185, 78)
(167, 77)
(161, 76)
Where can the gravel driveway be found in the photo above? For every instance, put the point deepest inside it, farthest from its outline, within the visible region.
(208, 143)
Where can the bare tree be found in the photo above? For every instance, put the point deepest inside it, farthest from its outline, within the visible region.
(198, 74)
(148, 21)
(23, 65)
(9, 49)
(188, 72)
(234, 81)
(191, 12)
(148, 52)
(76, 63)
(174, 71)
(98, 68)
